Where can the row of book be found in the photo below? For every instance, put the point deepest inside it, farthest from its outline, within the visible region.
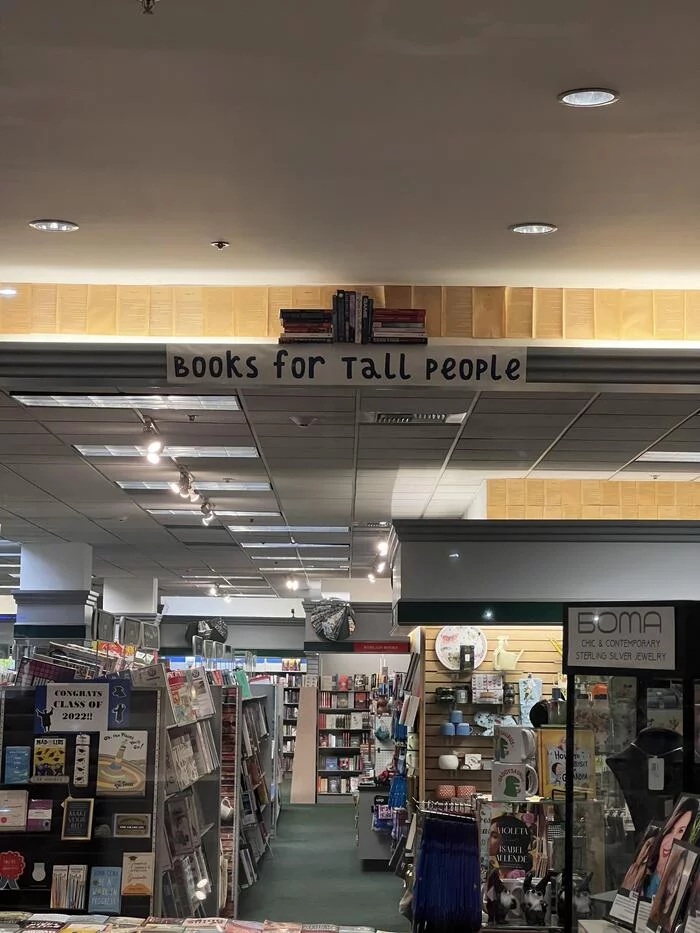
(336, 785)
(353, 721)
(333, 763)
(254, 727)
(353, 319)
(184, 824)
(343, 739)
(342, 683)
(350, 700)
(18, 921)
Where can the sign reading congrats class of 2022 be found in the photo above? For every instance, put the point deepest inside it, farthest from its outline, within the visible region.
(640, 637)
(346, 364)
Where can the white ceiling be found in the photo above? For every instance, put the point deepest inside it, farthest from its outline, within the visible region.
(352, 140)
(341, 470)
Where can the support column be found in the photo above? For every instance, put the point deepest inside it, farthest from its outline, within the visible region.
(55, 600)
(125, 596)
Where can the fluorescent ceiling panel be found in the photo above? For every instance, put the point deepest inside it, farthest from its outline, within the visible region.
(288, 529)
(189, 453)
(154, 485)
(221, 513)
(670, 456)
(314, 558)
(151, 402)
(342, 569)
(289, 547)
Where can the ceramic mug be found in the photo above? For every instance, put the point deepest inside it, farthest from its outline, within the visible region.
(514, 744)
(447, 728)
(513, 782)
(456, 716)
(463, 728)
(448, 762)
(445, 791)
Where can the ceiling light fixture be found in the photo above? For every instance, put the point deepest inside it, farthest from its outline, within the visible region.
(371, 577)
(534, 228)
(381, 566)
(588, 97)
(670, 456)
(227, 598)
(383, 548)
(488, 614)
(214, 590)
(155, 485)
(7, 292)
(290, 529)
(208, 514)
(292, 584)
(145, 402)
(53, 226)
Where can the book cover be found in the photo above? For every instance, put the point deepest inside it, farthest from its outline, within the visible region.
(181, 700)
(203, 703)
(17, 764)
(49, 761)
(121, 763)
(39, 816)
(105, 890)
(331, 764)
(551, 759)
(137, 874)
(345, 764)
(13, 810)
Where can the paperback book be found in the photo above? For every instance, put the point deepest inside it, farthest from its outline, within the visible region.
(121, 765)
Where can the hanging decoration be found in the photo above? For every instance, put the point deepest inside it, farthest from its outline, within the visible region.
(332, 619)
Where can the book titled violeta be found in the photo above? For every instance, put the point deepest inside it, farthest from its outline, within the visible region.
(105, 890)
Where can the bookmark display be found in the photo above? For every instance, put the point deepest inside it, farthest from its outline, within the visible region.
(68, 884)
(82, 760)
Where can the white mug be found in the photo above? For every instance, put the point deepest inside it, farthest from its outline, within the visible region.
(514, 744)
(513, 782)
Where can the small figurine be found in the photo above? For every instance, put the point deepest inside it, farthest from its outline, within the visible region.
(504, 660)
(499, 900)
(580, 896)
(535, 900)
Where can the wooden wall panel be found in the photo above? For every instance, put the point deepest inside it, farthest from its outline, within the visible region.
(461, 312)
(610, 500)
(541, 658)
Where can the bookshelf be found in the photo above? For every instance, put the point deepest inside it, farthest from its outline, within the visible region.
(344, 736)
(291, 688)
(256, 788)
(231, 711)
(188, 860)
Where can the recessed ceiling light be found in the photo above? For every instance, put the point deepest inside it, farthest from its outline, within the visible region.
(8, 292)
(289, 547)
(583, 97)
(534, 228)
(53, 226)
(144, 402)
(283, 560)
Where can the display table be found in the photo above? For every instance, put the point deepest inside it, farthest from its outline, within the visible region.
(373, 848)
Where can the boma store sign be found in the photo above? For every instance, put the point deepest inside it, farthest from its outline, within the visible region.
(640, 637)
(346, 364)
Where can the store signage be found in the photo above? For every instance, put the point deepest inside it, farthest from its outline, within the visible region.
(639, 637)
(380, 647)
(82, 707)
(347, 364)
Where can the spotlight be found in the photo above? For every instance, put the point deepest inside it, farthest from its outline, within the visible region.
(381, 566)
(153, 456)
(488, 614)
(214, 590)
(175, 487)
(371, 577)
(382, 548)
(227, 598)
(208, 514)
(194, 495)
(292, 584)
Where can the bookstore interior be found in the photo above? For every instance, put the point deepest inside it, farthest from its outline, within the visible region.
(531, 773)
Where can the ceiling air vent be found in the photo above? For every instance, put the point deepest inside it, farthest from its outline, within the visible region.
(434, 417)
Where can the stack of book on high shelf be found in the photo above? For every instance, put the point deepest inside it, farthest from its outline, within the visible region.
(399, 325)
(306, 325)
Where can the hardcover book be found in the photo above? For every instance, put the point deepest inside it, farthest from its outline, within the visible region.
(49, 761)
(137, 874)
(121, 764)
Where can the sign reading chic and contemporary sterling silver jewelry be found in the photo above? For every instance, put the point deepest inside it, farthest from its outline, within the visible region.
(640, 637)
(347, 364)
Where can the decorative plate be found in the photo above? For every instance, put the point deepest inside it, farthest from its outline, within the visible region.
(451, 638)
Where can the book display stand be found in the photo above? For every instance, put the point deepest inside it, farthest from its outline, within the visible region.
(344, 736)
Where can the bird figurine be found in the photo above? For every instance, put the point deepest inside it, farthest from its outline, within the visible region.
(503, 659)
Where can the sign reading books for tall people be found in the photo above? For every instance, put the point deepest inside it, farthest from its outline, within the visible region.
(622, 637)
(267, 364)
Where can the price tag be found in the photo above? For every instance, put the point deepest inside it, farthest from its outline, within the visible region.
(656, 774)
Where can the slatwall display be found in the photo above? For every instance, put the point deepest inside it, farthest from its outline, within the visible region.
(541, 657)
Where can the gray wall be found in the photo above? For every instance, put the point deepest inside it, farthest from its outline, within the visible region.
(261, 635)
(373, 622)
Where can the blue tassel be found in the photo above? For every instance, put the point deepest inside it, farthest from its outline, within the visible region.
(447, 891)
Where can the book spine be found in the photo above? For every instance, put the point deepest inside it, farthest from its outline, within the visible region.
(341, 315)
(359, 298)
(346, 316)
(335, 316)
(365, 319)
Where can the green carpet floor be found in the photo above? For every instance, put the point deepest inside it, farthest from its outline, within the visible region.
(313, 875)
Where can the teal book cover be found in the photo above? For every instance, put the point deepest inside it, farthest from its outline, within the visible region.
(105, 890)
(17, 764)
